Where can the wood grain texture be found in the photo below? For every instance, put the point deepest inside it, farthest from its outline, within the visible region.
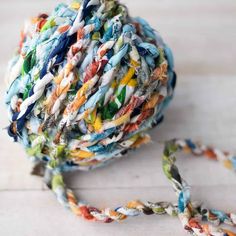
(202, 34)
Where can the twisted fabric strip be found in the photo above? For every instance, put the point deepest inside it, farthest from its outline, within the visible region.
(191, 214)
(185, 207)
(85, 85)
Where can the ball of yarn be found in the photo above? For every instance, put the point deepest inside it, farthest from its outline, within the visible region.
(86, 84)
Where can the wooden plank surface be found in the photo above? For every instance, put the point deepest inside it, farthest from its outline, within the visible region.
(202, 34)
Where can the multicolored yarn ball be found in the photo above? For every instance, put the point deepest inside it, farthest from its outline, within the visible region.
(85, 86)
(86, 83)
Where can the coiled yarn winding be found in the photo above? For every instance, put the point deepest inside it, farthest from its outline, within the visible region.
(86, 84)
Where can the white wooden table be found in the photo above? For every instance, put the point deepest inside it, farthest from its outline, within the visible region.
(202, 34)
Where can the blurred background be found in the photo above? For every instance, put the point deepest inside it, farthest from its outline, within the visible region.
(201, 32)
(202, 35)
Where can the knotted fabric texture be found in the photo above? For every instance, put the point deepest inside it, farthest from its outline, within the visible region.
(85, 85)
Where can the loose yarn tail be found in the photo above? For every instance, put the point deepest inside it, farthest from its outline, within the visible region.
(191, 214)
